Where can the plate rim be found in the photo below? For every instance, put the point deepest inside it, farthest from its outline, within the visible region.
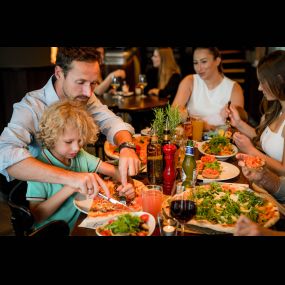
(209, 180)
(218, 156)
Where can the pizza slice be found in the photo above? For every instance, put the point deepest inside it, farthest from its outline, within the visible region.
(253, 163)
(103, 209)
(209, 167)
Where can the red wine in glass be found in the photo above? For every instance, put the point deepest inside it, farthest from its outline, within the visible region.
(183, 211)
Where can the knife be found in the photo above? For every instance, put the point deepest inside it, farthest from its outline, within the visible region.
(112, 200)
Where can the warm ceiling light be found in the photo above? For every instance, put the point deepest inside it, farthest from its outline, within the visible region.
(53, 53)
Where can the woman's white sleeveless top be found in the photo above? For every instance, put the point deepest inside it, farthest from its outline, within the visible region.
(273, 143)
(207, 103)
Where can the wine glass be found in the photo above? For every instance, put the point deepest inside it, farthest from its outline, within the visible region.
(115, 83)
(182, 208)
(142, 83)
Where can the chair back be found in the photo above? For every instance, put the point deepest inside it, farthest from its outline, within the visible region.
(21, 218)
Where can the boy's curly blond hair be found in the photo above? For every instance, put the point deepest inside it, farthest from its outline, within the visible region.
(57, 116)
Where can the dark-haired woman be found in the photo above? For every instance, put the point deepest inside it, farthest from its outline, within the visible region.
(207, 93)
(269, 135)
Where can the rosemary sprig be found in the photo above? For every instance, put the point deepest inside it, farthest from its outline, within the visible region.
(160, 116)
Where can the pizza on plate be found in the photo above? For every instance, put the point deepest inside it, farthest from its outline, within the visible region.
(103, 209)
(209, 167)
(220, 205)
(141, 143)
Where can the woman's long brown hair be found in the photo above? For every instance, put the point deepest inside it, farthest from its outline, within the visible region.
(271, 74)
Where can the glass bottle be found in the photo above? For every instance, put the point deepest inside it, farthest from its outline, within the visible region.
(169, 172)
(166, 134)
(166, 138)
(189, 172)
(154, 161)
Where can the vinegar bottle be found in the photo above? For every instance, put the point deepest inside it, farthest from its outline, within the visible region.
(189, 172)
(154, 161)
(169, 172)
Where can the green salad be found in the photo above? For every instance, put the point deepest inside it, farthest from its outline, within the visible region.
(126, 224)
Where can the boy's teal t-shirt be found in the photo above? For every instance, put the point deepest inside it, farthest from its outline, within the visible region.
(39, 191)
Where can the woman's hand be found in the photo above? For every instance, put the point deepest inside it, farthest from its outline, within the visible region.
(245, 227)
(153, 91)
(244, 143)
(252, 175)
(234, 116)
(119, 73)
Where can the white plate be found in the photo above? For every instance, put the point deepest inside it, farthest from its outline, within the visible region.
(146, 132)
(82, 203)
(150, 222)
(229, 171)
(219, 157)
(125, 94)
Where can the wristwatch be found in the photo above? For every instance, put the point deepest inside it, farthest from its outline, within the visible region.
(128, 145)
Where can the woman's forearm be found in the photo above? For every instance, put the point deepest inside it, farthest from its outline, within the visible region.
(246, 129)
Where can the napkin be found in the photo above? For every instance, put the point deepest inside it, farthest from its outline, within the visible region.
(92, 223)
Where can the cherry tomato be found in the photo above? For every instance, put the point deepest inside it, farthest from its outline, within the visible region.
(144, 218)
(106, 233)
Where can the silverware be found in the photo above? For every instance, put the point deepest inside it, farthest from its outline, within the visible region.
(112, 200)
(228, 121)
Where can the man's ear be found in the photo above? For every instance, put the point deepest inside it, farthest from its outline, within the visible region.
(58, 72)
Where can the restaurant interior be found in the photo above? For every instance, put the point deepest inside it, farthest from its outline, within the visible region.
(23, 69)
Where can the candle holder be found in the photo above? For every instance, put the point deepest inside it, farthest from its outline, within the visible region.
(167, 226)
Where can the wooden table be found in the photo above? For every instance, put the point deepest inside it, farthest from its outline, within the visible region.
(134, 103)
(139, 108)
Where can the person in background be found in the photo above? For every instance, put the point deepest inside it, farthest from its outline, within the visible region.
(76, 75)
(169, 75)
(105, 82)
(65, 127)
(267, 140)
(206, 94)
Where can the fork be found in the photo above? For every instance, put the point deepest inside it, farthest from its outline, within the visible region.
(123, 200)
(228, 121)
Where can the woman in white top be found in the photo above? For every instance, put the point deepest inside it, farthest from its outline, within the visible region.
(270, 133)
(207, 93)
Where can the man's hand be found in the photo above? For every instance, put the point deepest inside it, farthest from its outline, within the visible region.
(128, 191)
(129, 164)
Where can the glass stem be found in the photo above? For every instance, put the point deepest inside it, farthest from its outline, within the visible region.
(182, 229)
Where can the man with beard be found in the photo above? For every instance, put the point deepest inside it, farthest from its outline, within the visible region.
(76, 75)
